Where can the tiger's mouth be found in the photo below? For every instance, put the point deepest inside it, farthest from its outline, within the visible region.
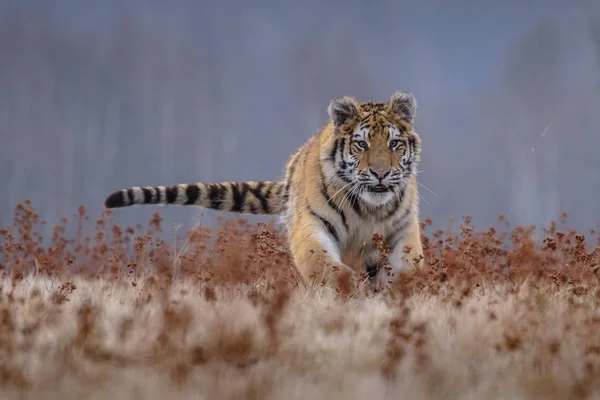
(380, 188)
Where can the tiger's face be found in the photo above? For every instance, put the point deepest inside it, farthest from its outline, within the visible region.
(375, 151)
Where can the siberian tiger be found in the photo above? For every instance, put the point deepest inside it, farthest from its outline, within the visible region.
(356, 177)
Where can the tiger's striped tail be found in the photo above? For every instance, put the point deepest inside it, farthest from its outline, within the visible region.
(241, 197)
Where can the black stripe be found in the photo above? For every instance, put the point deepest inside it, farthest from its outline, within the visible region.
(342, 164)
(215, 195)
(244, 187)
(400, 225)
(343, 177)
(390, 212)
(286, 194)
(290, 177)
(171, 194)
(334, 207)
(402, 193)
(292, 160)
(398, 234)
(147, 195)
(280, 189)
(411, 147)
(114, 200)
(131, 196)
(257, 193)
(193, 193)
(407, 212)
(158, 193)
(238, 197)
(328, 225)
(342, 147)
(355, 202)
(334, 150)
(268, 197)
(330, 200)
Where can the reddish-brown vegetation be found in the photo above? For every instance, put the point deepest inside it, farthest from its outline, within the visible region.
(122, 313)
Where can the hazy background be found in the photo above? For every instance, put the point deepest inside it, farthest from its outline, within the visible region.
(101, 95)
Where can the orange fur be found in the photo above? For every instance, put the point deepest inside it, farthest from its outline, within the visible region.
(356, 177)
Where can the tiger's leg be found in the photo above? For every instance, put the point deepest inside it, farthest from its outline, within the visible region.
(406, 255)
(371, 265)
(317, 257)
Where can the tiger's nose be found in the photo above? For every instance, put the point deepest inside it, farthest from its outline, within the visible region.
(380, 173)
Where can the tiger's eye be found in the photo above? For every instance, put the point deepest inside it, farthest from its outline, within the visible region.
(393, 143)
(362, 144)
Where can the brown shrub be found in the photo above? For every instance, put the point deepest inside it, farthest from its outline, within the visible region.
(497, 312)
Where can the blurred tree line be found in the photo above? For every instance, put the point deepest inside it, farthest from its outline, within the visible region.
(217, 92)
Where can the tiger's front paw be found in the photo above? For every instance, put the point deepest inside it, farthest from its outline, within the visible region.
(344, 280)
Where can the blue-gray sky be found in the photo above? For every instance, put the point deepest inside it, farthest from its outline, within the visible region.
(95, 96)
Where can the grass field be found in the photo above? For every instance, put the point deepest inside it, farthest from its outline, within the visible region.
(497, 314)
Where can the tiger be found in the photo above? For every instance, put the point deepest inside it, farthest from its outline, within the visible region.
(354, 178)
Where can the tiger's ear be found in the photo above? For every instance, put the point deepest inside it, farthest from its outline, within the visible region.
(403, 104)
(342, 109)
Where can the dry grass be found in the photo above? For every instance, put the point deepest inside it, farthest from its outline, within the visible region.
(119, 315)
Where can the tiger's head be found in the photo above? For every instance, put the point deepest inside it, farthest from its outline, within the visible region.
(373, 151)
